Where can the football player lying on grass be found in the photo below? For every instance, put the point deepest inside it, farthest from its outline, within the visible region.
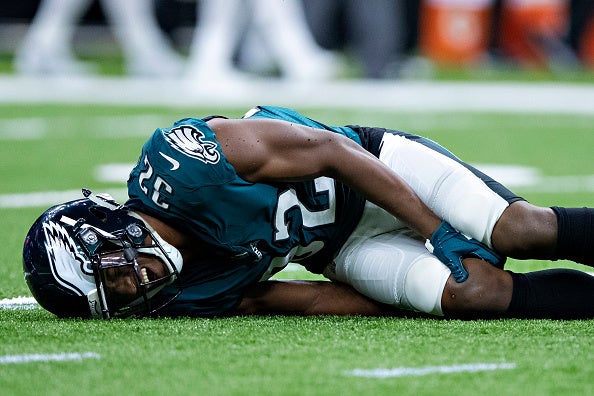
(217, 206)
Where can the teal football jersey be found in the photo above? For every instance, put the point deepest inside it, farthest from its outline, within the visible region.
(252, 230)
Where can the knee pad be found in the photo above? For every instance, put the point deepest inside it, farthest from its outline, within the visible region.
(424, 284)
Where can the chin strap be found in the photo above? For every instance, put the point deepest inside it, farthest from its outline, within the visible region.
(170, 255)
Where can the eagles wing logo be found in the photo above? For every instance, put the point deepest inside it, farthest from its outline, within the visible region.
(187, 139)
(71, 269)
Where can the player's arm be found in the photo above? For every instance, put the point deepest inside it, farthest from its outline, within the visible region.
(268, 150)
(308, 298)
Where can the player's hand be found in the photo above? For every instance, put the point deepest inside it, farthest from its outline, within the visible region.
(450, 247)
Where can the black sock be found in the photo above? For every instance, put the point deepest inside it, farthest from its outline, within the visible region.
(552, 294)
(575, 234)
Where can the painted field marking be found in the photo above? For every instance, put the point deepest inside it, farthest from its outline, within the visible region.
(420, 371)
(112, 127)
(113, 173)
(23, 303)
(52, 357)
(45, 199)
(515, 97)
(30, 128)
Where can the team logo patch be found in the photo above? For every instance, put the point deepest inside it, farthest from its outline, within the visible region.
(188, 140)
(69, 266)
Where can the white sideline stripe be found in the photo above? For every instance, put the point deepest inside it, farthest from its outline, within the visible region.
(53, 357)
(420, 371)
(516, 97)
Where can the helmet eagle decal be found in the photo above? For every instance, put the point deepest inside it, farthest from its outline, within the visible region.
(68, 265)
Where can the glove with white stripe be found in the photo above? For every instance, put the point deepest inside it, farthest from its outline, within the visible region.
(451, 246)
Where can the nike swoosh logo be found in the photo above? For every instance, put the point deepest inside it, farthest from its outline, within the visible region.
(174, 162)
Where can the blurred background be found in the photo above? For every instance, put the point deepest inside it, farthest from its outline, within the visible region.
(299, 40)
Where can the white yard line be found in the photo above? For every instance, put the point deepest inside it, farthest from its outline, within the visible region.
(110, 126)
(53, 357)
(18, 303)
(45, 199)
(427, 370)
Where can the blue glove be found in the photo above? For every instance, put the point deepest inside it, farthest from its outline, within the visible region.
(451, 246)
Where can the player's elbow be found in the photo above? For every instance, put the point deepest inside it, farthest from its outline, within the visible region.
(339, 156)
(255, 301)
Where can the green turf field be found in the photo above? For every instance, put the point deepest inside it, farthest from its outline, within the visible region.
(61, 148)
